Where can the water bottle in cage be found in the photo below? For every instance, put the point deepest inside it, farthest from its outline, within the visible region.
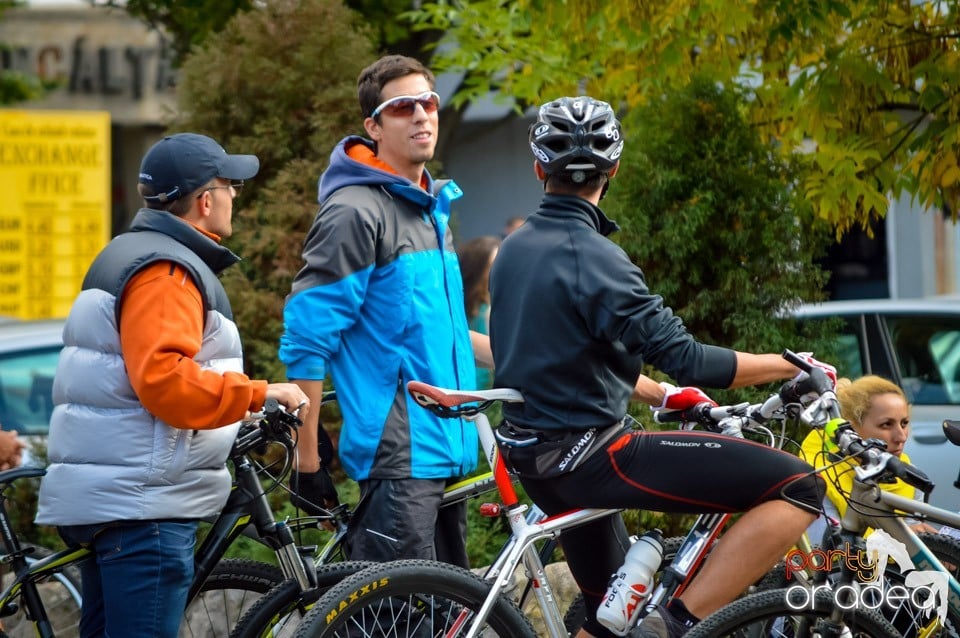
(631, 584)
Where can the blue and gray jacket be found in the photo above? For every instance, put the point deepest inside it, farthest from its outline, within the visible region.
(379, 302)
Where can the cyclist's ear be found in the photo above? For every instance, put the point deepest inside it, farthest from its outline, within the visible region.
(538, 171)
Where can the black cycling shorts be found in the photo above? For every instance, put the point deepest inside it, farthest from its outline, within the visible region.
(679, 472)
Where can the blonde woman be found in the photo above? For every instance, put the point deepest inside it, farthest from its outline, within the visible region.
(877, 409)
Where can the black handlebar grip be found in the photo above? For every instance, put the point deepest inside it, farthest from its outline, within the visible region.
(699, 413)
(911, 474)
(792, 391)
(797, 360)
(817, 380)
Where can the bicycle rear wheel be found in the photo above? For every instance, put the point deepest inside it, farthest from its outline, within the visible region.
(61, 597)
(411, 598)
(230, 591)
(280, 611)
(771, 614)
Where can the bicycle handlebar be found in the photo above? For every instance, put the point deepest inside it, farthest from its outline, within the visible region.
(272, 423)
(875, 460)
(824, 412)
(730, 420)
(735, 417)
(705, 413)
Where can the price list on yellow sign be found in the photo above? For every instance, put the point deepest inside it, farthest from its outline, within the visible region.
(55, 180)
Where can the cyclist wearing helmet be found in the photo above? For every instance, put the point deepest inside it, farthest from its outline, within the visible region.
(572, 324)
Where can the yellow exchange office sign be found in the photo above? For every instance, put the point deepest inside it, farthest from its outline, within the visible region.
(55, 216)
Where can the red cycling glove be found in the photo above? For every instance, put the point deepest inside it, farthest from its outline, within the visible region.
(682, 398)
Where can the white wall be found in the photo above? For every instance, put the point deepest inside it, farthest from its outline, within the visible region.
(922, 251)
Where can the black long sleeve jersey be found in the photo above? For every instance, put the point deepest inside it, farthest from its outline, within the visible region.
(572, 322)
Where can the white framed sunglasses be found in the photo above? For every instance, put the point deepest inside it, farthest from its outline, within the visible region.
(405, 105)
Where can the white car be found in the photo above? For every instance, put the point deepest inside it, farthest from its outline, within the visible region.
(916, 344)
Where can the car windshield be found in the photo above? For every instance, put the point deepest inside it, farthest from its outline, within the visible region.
(26, 386)
(928, 350)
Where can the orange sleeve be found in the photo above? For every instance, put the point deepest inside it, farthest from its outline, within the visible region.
(161, 330)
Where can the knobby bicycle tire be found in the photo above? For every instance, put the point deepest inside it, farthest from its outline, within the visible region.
(425, 599)
(280, 611)
(767, 614)
(577, 611)
(232, 589)
(61, 598)
(909, 621)
(912, 623)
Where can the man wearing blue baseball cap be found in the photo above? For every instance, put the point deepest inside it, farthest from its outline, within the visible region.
(149, 393)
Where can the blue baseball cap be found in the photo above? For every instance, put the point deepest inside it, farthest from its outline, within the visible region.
(179, 164)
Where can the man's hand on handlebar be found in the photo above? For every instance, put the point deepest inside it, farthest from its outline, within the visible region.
(683, 398)
(830, 370)
(290, 396)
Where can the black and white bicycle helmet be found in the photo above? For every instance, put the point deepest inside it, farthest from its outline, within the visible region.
(576, 134)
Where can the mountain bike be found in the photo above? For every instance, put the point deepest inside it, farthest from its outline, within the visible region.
(280, 611)
(924, 597)
(220, 591)
(431, 598)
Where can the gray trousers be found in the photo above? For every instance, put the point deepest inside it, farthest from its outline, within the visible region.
(402, 518)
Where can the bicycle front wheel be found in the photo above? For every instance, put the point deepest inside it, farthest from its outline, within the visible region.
(418, 598)
(779, 614)
(229, 592)
(280, 611)
(61, 598)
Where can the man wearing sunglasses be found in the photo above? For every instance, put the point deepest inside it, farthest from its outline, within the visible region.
(379, 302)
(149, 393)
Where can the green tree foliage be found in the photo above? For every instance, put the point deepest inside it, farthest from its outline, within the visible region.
(186, 24)
(707, 211)
(394, 35)
(278, 81)
(16, 86)
(872, 86)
